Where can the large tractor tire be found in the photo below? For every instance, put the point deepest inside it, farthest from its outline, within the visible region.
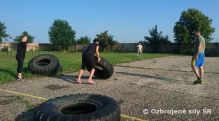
(103, 69)
(80, 107)
(45, 65)
(57, 71)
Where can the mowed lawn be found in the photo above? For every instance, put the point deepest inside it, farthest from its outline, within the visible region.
(70, 61)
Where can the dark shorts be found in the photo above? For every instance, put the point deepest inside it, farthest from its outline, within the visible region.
(87, 61)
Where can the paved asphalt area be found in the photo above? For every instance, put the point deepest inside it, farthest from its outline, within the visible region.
(148, 89)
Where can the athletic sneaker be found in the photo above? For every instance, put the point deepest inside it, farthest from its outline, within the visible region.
(78, 81)
(20, 79)
(201, 79)
(198, 81)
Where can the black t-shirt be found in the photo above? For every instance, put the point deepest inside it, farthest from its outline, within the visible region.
(21, 50)
(90, 50)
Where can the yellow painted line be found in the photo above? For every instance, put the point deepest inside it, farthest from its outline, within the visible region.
(26, 95)
(45, 99)
(132, 118)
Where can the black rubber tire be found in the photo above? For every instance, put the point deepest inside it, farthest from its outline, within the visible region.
(103, 69)
(80, 107)
(57, 71)
(44, 65)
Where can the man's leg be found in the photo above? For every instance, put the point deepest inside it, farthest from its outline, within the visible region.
(92, 63)
(90, 80)
(197, 73)
(83, 66)
(201, 71)
(195, 70)
(195, 64)
(79, 75)
(201, 68)
(19, 68)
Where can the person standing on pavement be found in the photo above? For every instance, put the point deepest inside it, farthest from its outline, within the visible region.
(198, 59)
(88, 58)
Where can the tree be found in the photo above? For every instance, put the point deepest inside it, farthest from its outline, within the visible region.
(156, 39)
(84, 40)
(2, 31)
(61, 34)
(192, 20)
(30, 38)
(106, 39)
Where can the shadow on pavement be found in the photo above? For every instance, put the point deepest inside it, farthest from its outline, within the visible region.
(28, 115)
(5, 100)
(174, 70)
(169, 80)
(73, 78)
(155, 77)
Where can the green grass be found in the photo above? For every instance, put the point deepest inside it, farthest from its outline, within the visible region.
(70, 61)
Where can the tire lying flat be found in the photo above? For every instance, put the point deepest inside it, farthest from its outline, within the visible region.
(45, 65)
(80, 107)
(103, 69)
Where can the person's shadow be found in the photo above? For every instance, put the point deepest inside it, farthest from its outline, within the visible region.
(28, 115)
(73, 78)
(67, 78)
(13, 74)
(8, 72)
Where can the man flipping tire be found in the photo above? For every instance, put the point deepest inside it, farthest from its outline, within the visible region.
(89, 60)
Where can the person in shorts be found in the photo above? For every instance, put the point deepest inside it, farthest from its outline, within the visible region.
(88, 59)
(198, 59)
(139, 49)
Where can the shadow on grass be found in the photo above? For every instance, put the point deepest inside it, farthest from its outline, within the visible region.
(28, 115)
(13, 74)
(26, 70)
(8, 72)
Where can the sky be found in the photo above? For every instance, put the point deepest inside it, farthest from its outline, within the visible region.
(127, 20)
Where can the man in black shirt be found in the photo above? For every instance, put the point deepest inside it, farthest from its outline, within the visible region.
(21, 52)
(88, 59)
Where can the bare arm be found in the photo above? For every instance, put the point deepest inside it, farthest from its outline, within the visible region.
(98, 53)
(198, 50)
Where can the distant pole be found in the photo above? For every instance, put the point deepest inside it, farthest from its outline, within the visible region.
(75, 46)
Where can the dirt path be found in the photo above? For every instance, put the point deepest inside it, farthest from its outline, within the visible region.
(162, 83)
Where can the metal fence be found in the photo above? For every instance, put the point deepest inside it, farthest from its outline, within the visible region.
(212, 49)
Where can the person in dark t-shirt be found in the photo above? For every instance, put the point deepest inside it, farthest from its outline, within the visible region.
(20, 56)
(88, 60)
